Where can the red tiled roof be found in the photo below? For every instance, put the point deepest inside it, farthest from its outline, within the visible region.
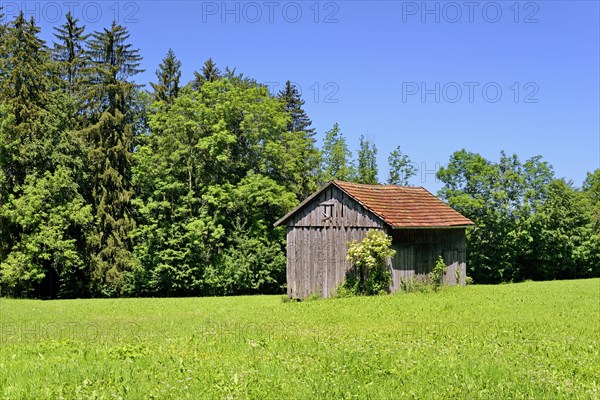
(398, 206)
(404, 206)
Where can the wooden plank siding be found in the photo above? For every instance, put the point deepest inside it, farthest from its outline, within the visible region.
(417, 251)
(318, 234)
(323, 268)
(346, 212)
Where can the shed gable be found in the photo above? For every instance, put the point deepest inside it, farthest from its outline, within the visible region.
(334, 208)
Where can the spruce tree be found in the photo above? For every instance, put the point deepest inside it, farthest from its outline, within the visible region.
(2, 26)
(168, 74)
(367, 161)
(209, 73)
(42, 216)
(22, 75)
(24, 92)
(299, 126)
(293, 103)
(69, 52)
(111, 135)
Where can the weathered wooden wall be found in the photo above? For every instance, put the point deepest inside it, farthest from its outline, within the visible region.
(317, 242)
(417, 251)
(345, 212)
(316, 259)
(317, 246)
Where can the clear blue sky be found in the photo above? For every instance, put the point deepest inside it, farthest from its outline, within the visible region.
(423, 75)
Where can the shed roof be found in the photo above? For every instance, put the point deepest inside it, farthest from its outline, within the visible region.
(397, 206)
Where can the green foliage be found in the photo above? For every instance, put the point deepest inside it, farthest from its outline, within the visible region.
(53, 220)
(286, 299)
(367, 162)
(313, 297)
(249, 265)
(337, 159)
(307, 155)
(561, 237)
(44, 220)
(437, 273)
(205, 227)
(209, 73)
(70, 54)
(168, 74)
(348, 288)
(369, 257)
(427, 285)
(24, 78)
(415, 285)
(2, 25)
(111, 136)
(529, 225)
(108, 190)
(591, 186)
(401, 168)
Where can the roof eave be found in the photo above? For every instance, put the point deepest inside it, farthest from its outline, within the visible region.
(434, 227)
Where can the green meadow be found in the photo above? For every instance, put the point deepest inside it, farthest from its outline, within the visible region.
(532, 340)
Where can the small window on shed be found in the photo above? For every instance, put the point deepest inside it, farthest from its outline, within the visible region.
(327, 211)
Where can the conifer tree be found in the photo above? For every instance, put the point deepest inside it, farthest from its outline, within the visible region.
(24, 92)
(42, 217)
(69, 52)
(299, 125)
(209, 73)
(293, 103)
(111, 135)
(168, 74)
(238, 79)
(2, 25)
(367, 161)
(20, 56)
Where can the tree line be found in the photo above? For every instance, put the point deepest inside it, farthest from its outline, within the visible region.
(109, 189)
(529, 223)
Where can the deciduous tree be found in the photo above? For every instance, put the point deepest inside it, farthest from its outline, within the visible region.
(337, 159)
(367, 162)
(401, 168)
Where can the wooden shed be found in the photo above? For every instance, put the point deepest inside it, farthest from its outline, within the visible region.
(422, 228)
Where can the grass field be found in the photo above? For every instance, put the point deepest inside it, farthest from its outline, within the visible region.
(518, 341)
